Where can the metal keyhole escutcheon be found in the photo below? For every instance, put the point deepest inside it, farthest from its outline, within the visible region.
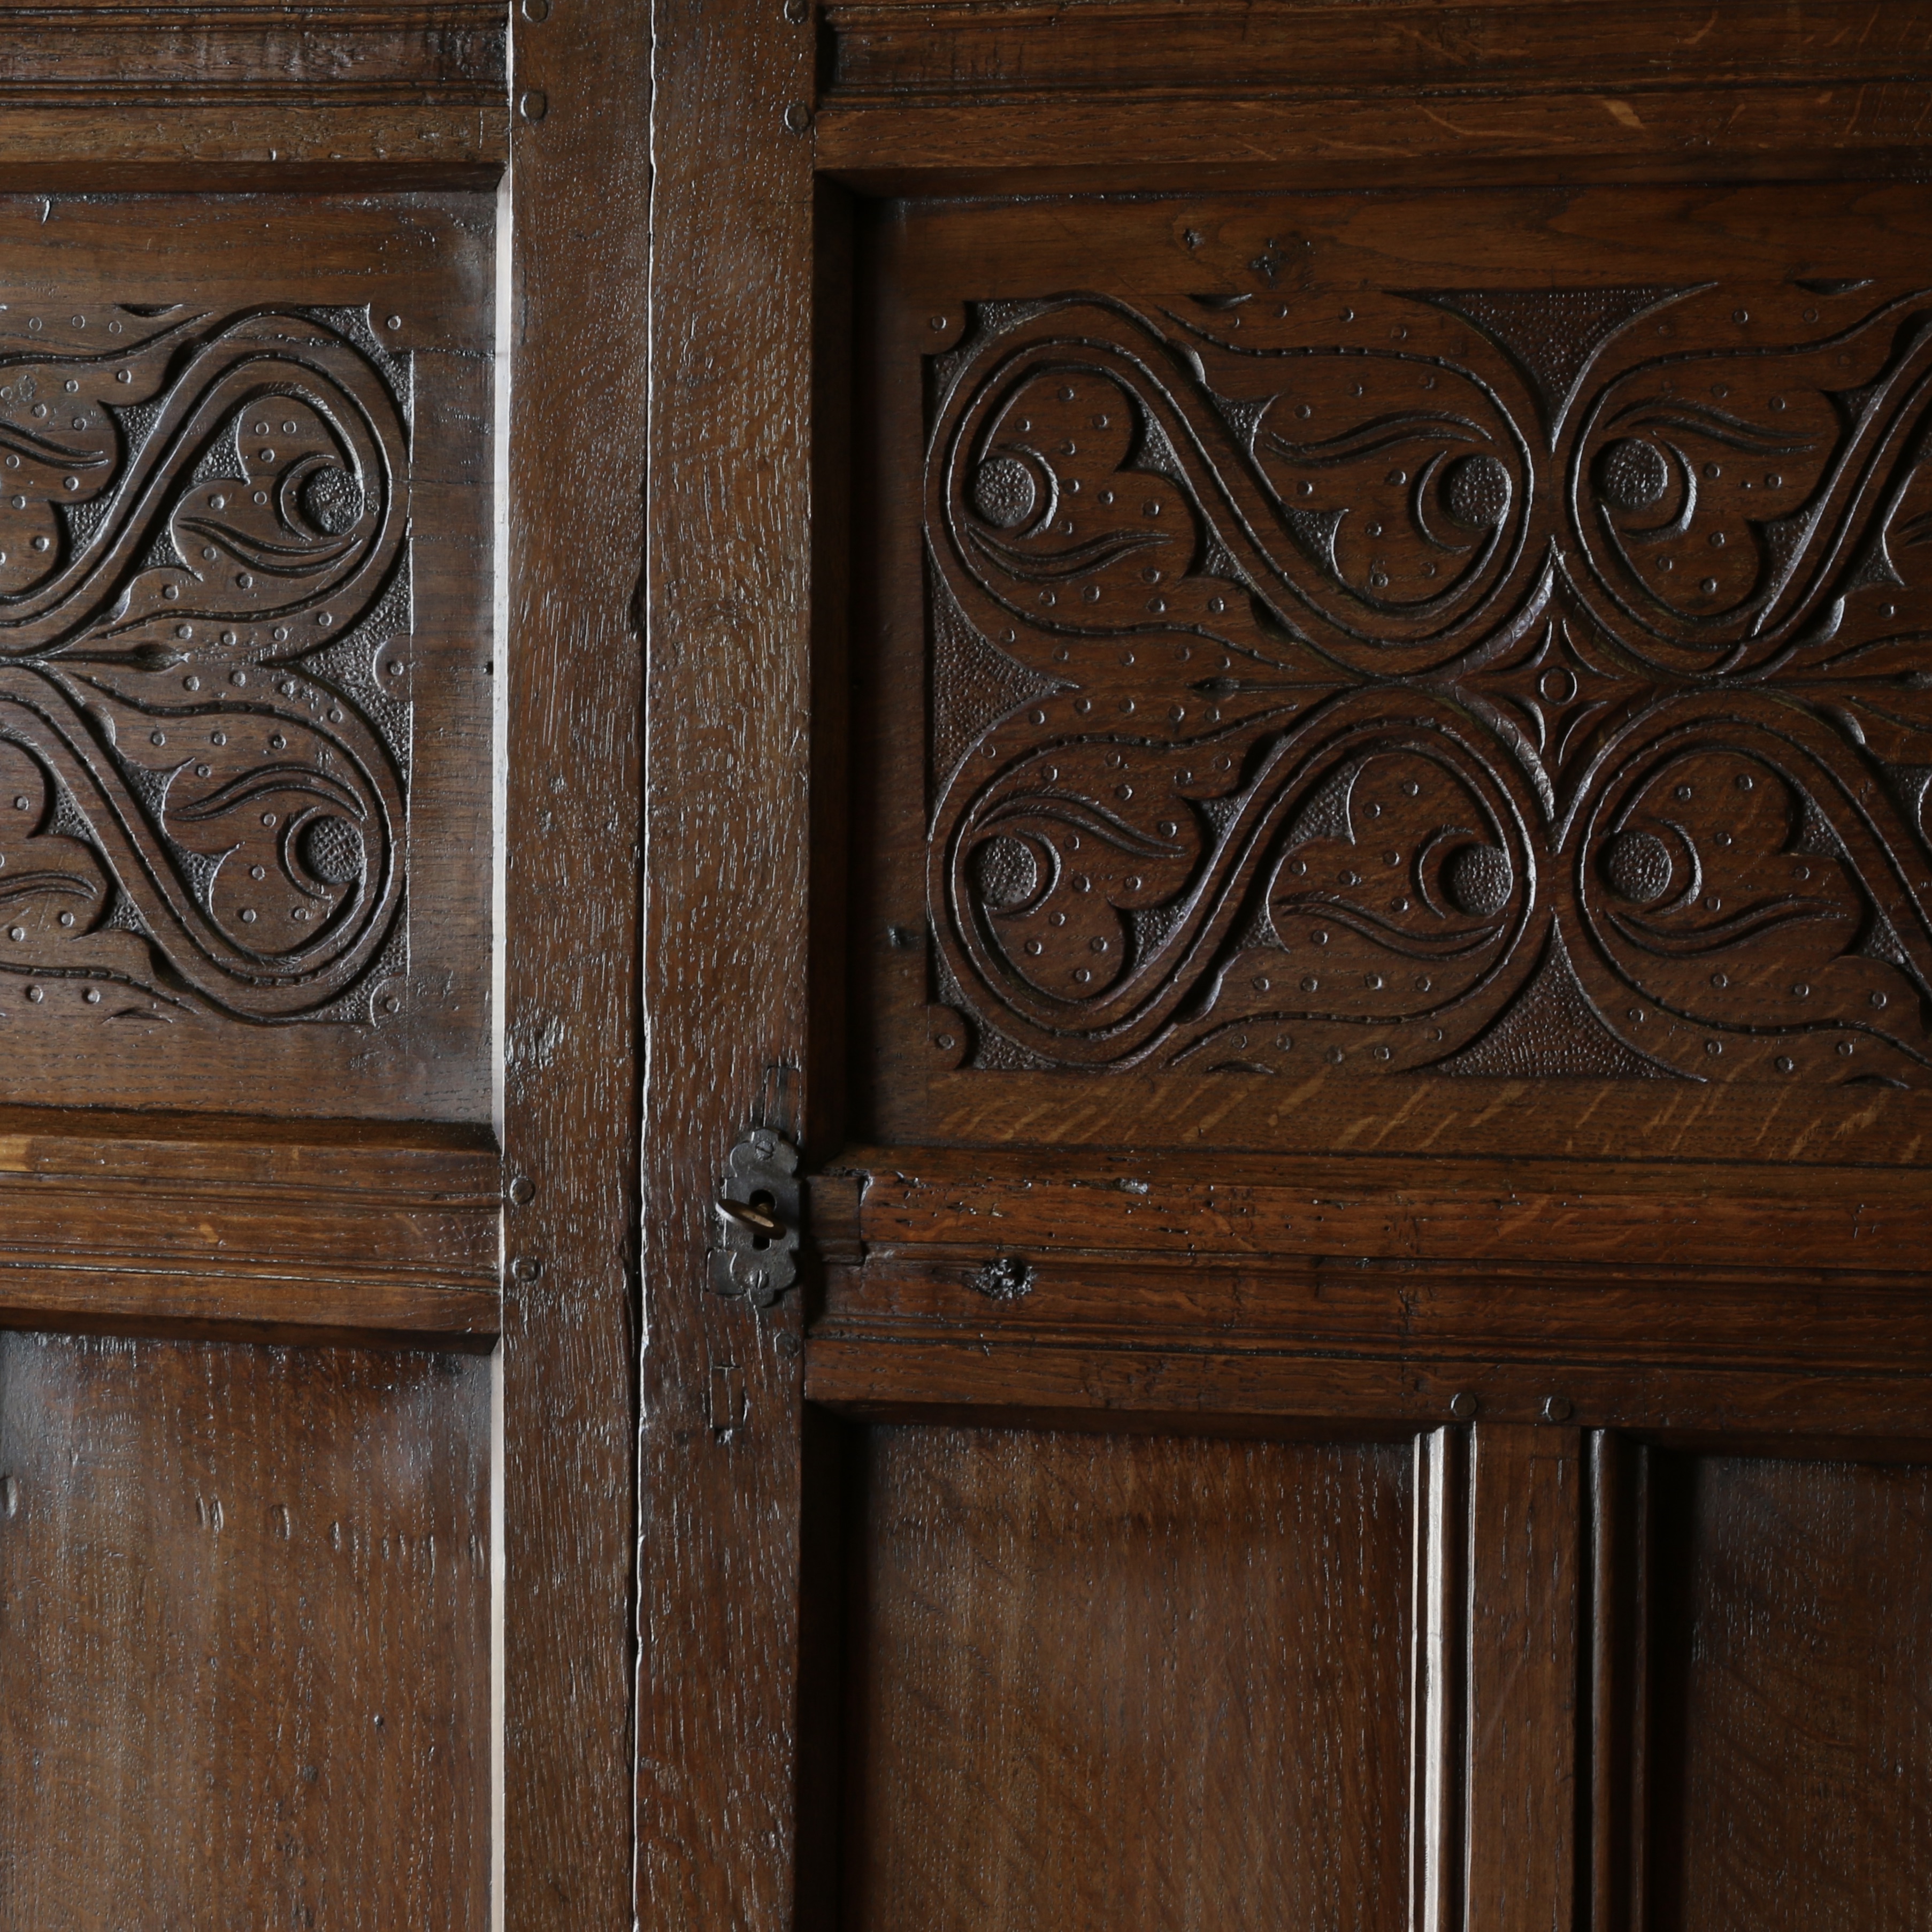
(755, 1220)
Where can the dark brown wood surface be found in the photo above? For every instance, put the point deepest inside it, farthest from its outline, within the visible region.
(244, 1605)
(167, 1223)
(1125, 95)
(1101, 1680)
(1096, 438)
(1526, 1571)
(1247, 1440)
(898, 51)
(727, 608)
(1788, 1634)
(185, 169)
(262, 680)
(576, 460)
(285, 96)
(1191, 786)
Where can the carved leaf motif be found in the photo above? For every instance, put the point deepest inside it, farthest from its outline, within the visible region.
(1410, 697)
(203, 711)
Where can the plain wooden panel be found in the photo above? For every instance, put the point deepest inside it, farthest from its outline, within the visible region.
(244, 1637)
(1791, 1651)
(150, 96)
(1102, 1682)
(916, 1201)
(1573, 134)
(1194, 1385)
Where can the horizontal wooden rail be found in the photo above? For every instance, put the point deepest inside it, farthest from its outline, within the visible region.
(143, 96)
(201, 1226)
(1094, 48)
(1686, 1298)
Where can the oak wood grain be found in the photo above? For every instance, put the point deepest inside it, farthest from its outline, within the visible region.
(115, 1220)
(1788, 1626)
(1098, 1680)
(1197, 1383)
(127, 55)
(574, 551)
(727, 614)
(896, 53)
(139, 96)
(1575, 136)
(1526, 1580)
(1628, 1215)
(244, 1654)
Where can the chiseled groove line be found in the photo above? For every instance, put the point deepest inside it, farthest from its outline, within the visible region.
(251, 90)
(1461, 1264)
(171, 1263)
(1234, 1345)
(1579, 86)
(1725, 1360)
(294, 18)
(370, 1196)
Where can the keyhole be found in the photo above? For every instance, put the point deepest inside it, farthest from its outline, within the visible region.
(765, 1204)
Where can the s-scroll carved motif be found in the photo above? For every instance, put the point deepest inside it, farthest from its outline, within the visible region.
(1512, 682)
(204, 691)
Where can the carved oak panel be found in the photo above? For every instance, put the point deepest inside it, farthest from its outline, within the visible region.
(1532, 681)
(216, 563)
(203, 750)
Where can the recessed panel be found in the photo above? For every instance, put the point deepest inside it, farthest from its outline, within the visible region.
(1100, 1682)
(1373, 649)
(1791, 1647)
(244, 656)
(244, 1636)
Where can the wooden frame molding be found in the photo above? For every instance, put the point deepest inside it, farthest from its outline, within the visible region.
(1149, 94)
(148, 96)
(194, 1226)
(888, 51)
(453, 51)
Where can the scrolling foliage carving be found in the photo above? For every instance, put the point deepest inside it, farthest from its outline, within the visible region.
(1496, 682)
(204, 713)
